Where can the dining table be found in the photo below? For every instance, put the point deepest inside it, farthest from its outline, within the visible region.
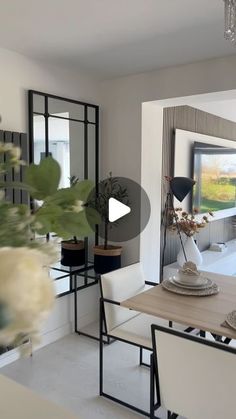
(206, 313)
(20, 402)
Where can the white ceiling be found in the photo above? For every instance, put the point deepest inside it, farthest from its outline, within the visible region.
(110, 38)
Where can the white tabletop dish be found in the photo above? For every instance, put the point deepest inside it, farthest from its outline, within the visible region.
(172, 287)
(205, 283)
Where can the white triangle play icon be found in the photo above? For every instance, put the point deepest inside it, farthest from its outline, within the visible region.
(117, 209)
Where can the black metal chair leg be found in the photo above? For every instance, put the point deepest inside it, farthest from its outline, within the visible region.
(101, 372)
(140, 356)
(152, 389)
(171, 415)
(141, 363)
(217, 338)
(101, 353)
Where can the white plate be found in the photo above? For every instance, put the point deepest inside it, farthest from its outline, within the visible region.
(170, 286)
(206, 284)
(199, 281)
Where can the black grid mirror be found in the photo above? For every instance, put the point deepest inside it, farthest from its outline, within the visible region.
(68, 130)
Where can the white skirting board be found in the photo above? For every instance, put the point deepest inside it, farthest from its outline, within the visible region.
(50, 337)
(60, 322)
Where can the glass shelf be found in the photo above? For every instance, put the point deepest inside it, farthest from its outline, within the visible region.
(65, 277)
(70, 269)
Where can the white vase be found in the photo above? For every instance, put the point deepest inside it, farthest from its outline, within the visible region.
(192, 253)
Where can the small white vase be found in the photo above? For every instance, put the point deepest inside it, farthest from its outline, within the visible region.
(192, 253)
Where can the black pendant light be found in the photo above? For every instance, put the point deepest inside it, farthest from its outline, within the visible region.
(181, 186)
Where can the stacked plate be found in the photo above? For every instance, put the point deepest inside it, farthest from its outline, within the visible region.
(199, 284)
(199, 287)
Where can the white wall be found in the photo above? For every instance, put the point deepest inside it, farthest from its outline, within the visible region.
(152, 117)
(17, 75)
(122, 113)
(225, 109)
(122, 99)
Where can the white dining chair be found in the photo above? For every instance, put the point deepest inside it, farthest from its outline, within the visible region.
(195, 377)
(120, 323)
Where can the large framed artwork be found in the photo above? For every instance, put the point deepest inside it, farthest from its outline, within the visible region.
(211, 162)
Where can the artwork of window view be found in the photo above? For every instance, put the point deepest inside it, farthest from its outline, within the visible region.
(215, 176)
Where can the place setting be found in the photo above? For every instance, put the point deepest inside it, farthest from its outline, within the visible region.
(230, 320)
(189, 281)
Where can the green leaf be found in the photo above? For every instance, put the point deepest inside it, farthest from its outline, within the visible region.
(46, 216)
(45, 225)
(76, 223)
(17, 185)
(49, 211)
(93, 217)
(64, 197)
(59, 229)
(43, 178)
(83, 189)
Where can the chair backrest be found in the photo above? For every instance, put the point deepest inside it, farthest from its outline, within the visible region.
(119, 285)
(196, 377)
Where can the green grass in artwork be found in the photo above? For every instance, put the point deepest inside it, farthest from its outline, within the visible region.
(211, 205)
(217, 195)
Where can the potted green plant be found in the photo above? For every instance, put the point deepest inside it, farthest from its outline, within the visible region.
(107, 257)
(73, 250)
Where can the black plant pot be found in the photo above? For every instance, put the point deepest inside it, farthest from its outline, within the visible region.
(107, 260)
(72, 254)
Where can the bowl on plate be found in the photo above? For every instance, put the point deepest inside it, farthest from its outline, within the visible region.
(189, 274)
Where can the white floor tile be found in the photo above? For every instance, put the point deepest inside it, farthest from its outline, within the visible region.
(66, 372)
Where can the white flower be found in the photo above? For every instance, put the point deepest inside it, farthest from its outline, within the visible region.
(7, 147)
(16, 152)
(13, 211)
(26, 289)
(78, 206)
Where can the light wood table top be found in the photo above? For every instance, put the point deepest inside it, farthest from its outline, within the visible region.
(18, 402)
(205, 313)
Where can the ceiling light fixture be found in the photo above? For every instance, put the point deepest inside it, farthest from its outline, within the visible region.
(230, 20)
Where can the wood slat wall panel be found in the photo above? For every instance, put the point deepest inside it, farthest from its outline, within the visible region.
(16, 175)
(167, 150)
(9, 177)
(25, 156)
(214, 125)
(191, 119)
(20, 140)
(185, 118)
(1, 156)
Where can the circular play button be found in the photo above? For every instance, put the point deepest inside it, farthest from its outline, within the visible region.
(117, 210)
(124, 208)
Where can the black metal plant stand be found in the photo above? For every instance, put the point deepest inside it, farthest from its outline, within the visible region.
(94, 278)
(79, 278)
